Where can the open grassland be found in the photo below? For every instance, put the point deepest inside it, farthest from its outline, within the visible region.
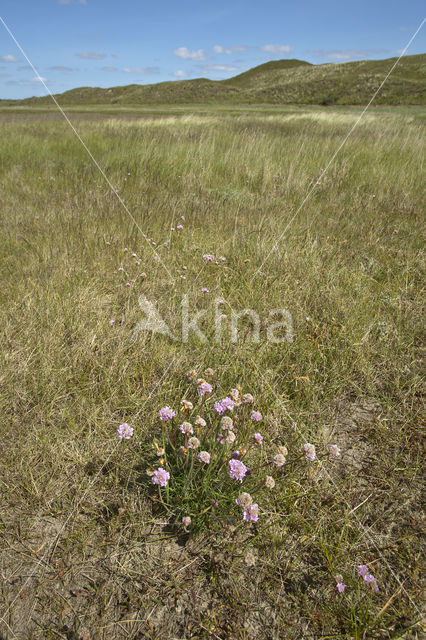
(87, 551)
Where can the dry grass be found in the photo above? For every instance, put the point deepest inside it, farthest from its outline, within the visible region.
(86, 551)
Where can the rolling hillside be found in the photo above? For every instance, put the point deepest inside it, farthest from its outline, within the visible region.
(275, 82)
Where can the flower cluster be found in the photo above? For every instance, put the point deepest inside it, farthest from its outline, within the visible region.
(368, 577)
(212, 449)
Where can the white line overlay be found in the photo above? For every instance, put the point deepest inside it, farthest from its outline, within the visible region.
(351, 509)
(333, 157)
(90, 154)
(51, 548)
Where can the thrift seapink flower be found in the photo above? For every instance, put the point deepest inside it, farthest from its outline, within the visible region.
(187, 428)
(205, 290)
(251, 513)
(309, 449)
(111, 322)
(256, 416)
(179, 226)
(269, 482)
(235, 454)
(128, 284)
(209, 257)
(334, 450)
(230, 437)
(200, 422)
(227, 423)
(160, 477)
(237, 470)
(204, 456)
(228, 404)
(166, 413)
(186, 405)
(219, 408)
(186, 521)
(209, 373)
(193, 443)
(234, 394)
(160, 452)
(279, 460)
(248, 398)
(340, 587)
(258, 438)
(125, 431)
(220, 438)
(372, 582)
(204, 388)
(182, 218)
(283, 451)
(244, 500)
(363, 570)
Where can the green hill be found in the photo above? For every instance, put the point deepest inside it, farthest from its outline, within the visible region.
(275, 82)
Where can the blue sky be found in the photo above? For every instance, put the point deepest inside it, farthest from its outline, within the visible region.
(105, 43)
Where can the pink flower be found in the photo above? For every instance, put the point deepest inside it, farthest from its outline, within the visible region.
(204, 388)
(205, 290)
(128, 284)
(166, 413)
(186, 428)
(258, 438)
(204, 456)
(237, 470)
(125, 431)
(182, 218)
(334, 450)
(309, 449)
(111, 322)
(179, 226)
(256, 416)
(160, 477)
(186, 521)
(251, 513)
(340, 587)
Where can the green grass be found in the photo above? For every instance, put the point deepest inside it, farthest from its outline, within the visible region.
(84, 545)
(276, 82)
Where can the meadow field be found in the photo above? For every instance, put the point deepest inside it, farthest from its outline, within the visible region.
(90, 549)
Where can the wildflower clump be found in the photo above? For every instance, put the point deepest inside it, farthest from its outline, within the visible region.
(214, 463)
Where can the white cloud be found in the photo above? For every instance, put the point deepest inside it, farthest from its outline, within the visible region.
(277, 48)
(91, 55)
(144, 71)
(8, 58)
(188, 54)
(180, 74)
(228, 50)
(342, 55)
(220, 67)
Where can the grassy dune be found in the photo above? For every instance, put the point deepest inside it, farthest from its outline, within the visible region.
(276, 82)
(86, 548)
